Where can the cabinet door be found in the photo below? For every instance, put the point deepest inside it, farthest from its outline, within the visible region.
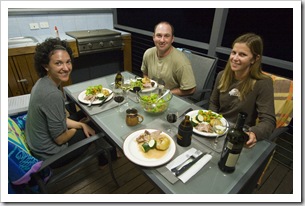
(15, 87)
(26, 70)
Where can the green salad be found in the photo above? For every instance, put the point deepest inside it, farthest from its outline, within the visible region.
(93, 90)
(149, 104)
(137, 83)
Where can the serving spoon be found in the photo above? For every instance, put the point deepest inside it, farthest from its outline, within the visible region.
(163, 95)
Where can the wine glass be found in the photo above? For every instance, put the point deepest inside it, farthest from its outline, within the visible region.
(136, 90)
(126, 87)
(171, 118)
(119, 96)
(219, 128)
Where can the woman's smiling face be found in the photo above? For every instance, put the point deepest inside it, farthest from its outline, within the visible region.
(241, 58)
(59, 67)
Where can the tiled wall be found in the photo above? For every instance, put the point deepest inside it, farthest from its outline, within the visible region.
(19, 25)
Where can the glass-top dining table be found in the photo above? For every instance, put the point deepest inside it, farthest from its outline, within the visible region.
(210, 179)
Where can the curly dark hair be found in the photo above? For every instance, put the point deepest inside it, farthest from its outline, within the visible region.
(44, 51)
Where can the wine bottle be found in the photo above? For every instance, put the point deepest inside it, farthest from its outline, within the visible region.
(233, 145)
(185, 131)
(119, 80)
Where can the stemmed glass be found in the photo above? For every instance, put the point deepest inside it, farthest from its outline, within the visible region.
(126, 87)
(219, 129)
(136, 90)
(171, 118)
(119, 96)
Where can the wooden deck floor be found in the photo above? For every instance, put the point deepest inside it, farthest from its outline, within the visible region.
(90, 179)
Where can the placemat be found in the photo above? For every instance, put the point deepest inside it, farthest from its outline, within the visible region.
(95, 109)
(209, 142)
(161, 124)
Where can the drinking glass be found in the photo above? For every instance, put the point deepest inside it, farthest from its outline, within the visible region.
(136, 90)
(219, 128)
(119, 97)
(126, 87)
(171, 118)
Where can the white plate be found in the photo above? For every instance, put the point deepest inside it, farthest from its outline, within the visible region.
(207, 134)
(82, 95)
(147, 89)
(134, 153)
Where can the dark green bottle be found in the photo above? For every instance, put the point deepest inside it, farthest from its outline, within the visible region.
(119, 80)
(185, 131)
(233, 145)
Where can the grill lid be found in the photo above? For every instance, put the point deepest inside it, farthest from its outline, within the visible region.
(92, 33)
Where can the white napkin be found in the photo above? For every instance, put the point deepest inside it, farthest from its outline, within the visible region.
(192, 170)
(181, 158)
(184, 177)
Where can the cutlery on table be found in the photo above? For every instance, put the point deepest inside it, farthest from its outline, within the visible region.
(90, 103)
(104, 100)
(196, 156)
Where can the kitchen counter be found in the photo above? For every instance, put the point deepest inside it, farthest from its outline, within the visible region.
(40, 39)
(62, 36)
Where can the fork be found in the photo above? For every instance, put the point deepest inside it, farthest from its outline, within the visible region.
(196, 154)
(90, 103)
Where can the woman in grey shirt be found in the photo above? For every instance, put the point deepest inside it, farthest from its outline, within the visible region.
(243, 87)
(48, 130)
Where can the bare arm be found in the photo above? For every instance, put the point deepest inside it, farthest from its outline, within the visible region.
(180, 92)
(72, 126)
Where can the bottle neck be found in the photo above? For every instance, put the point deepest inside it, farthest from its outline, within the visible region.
(186, 120)
(240, 120)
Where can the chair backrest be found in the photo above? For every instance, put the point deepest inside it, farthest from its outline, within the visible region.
(283, 99)
(204, 68)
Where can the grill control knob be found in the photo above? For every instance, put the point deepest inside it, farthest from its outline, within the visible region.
(101, 44)
(89, 45)
(111, 43)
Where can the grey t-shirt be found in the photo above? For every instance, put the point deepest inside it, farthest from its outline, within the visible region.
(46, 119)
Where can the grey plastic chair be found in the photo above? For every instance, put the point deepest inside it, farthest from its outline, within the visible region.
(101, 147)
(204, 68)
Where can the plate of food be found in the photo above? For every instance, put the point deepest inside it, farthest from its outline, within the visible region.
(149, 147)
(145, 84)
(95, 95)
(203, 120)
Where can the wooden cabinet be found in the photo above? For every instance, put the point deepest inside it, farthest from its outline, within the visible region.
(21, 70)
(23, 73)
(127, 53)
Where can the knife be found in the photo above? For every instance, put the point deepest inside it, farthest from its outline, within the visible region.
(184, 113)
(187, 166)
(104, 100)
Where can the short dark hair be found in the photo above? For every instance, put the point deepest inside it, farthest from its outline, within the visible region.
(165, 22)
(45, 49)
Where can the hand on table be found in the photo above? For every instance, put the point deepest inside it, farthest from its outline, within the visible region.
(252, 140)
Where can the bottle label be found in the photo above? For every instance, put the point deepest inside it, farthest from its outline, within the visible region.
(231, 160)
(230, 145)
(184, 138)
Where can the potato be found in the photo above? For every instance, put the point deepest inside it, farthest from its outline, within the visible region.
(162, 143)
(215, 121)
(145, 80)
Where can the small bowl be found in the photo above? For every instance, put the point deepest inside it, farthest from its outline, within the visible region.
(148, 101)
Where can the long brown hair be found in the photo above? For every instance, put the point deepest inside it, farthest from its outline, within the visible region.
(255, 44)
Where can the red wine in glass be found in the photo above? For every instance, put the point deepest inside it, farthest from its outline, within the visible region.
(171, 118)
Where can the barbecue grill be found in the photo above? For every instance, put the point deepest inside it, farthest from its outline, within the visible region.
(95, 41)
